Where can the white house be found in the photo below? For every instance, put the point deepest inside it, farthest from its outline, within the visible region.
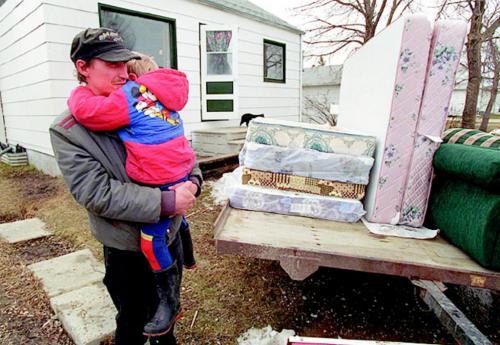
(457, 101)
(238, 59)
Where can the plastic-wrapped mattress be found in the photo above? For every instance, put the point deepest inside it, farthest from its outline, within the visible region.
(307, 163)
(297, 204)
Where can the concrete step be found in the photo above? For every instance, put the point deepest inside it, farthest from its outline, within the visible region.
(216, 149)
(237, 131)
(87, 314)
(218, 135)
(23, 230)
(218, 141)
(77, 295)
(68, 272)
(237, 144)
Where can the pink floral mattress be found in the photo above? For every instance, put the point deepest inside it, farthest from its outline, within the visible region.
(380, 95)
(446, 46)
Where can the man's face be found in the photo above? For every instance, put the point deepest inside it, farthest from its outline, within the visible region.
(103, 77)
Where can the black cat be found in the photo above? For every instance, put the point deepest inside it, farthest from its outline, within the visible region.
(246, 118)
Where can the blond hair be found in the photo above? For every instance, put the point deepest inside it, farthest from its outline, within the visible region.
(144, 65)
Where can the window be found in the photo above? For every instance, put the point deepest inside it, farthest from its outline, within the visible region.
(219, 52)
(274, 61)
(146, 33)
(218, 71)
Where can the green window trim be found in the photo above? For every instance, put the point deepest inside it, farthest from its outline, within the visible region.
(219, 87)
(283, 46)
(171, 21)
(220, 105)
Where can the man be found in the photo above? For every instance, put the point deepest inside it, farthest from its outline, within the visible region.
(92, 164)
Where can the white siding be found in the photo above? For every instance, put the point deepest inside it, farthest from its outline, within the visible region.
(24, 72)
(36, 74)
(457, 102)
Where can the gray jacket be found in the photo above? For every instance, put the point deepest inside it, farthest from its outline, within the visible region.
(93, 166)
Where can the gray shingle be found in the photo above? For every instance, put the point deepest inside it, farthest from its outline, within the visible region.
(250, 10)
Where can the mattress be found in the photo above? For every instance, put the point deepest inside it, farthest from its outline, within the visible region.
(446, 47)
(380, 95)
(307, 163)
(297, 204)
(303, 184)
(315, 137)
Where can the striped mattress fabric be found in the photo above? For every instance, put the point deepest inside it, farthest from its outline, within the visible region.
(471, 137)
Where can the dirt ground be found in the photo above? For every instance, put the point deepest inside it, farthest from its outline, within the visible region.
(228, 294)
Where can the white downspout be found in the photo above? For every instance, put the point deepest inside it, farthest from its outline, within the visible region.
(301, 62)
(3, 131)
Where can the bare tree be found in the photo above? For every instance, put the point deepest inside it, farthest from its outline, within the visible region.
(483, 17)
(492, 68)
(317, 110)
(336, 25)
(473, 47)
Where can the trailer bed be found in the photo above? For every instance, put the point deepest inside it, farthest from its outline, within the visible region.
(303, 244)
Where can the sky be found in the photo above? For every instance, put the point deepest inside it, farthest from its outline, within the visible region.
(284, 10)
(281, 8)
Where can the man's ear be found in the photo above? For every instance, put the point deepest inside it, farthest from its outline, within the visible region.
(82, 67)
(132, 76)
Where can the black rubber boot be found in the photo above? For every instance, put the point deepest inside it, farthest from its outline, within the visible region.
(169, 305)
(187, 247)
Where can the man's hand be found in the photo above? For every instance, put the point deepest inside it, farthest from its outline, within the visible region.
(184, 197)
(190, 186)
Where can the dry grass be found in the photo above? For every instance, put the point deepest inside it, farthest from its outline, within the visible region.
(28, 193)
(26, 317)
(228, 294)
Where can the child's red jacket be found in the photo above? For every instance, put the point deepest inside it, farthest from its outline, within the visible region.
(145, 115)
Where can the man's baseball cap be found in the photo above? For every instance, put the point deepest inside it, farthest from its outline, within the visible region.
(102, 43)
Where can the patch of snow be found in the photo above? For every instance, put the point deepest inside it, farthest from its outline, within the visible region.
(221, 189)
(265, 336)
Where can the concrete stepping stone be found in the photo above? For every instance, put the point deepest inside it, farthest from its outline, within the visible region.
(23, 230)
(68, 272)
(87, 314)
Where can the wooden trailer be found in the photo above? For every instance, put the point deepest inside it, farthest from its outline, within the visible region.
(302, 245)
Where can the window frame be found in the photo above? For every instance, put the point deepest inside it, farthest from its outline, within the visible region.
(171, 21)
(282, 45)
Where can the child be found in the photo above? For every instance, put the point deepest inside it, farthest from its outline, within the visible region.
(144, 113)
(136, 68)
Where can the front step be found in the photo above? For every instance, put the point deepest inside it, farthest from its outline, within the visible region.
(237, 145)
(218, 141)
